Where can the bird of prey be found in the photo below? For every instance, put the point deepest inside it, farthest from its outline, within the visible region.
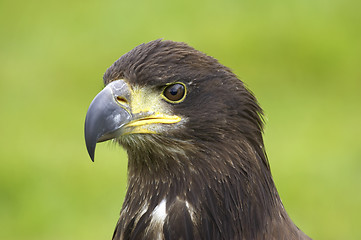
(197, 167)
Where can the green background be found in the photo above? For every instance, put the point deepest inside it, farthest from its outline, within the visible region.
(301, 58)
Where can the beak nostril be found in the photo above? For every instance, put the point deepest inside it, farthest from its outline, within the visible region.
(122, 100)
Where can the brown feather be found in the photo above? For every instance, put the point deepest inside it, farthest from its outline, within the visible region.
(217, 164)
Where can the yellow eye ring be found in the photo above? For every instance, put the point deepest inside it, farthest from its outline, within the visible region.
(174, 92)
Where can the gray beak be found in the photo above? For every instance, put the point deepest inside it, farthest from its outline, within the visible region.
(107, 113)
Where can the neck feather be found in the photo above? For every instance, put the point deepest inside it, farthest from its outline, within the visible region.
(234, 184)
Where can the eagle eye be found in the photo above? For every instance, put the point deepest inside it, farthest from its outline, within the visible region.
(174, 92)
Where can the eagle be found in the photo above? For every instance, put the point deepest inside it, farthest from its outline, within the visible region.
(197, 166)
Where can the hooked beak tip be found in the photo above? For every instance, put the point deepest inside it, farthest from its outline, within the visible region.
(105, 116)
(91, 152)
(90, 142)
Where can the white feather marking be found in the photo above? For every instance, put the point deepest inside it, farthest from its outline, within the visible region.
(158, 216)
(159, 213)
(190, 210)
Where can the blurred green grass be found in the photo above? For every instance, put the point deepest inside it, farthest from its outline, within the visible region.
(301, 59)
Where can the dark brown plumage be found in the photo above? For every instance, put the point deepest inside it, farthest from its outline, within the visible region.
(204, 177)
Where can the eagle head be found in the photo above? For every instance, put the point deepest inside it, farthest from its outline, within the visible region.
(197, 168)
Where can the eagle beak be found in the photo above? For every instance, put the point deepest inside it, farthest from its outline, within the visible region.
(107, 113)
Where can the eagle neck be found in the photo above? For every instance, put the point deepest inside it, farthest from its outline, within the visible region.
(235, 184)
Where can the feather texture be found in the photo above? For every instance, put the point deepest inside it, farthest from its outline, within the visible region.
(210, 179)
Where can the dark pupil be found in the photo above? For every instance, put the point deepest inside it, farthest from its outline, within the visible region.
(174, 92)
